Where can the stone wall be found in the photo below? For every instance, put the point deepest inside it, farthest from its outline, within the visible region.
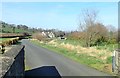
(13, 63)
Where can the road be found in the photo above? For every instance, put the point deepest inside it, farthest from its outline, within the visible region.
(37, 56)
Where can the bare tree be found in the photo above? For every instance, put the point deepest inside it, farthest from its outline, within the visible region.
(89, 18)
(112, 35)
(92, 28)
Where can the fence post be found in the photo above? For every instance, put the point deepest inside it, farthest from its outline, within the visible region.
(113, 62)
(116, 62)
(119, 62)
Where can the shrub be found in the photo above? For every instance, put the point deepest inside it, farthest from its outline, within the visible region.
(109, 59)
(39, 36)
(10, 42)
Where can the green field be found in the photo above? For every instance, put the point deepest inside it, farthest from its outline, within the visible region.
(8, 29)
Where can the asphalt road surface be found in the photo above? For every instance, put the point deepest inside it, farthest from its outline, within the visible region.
(37, 56)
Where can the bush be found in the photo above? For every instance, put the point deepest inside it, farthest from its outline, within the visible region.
(38, 36)
(109, 60)
(111, 41)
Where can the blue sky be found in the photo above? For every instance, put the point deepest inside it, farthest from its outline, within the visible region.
(57, 15)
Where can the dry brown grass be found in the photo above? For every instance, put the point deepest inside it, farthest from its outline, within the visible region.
(92, 51)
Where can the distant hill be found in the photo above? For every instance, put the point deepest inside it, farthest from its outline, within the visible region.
(23, 29)
(12, 28)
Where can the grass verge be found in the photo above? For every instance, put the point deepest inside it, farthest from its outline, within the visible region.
(81, 58)
(27, 68)
(105, 46)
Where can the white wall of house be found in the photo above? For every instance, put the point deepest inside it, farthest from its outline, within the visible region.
(49, 34)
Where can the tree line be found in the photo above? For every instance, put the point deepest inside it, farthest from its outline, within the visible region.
(27, 29)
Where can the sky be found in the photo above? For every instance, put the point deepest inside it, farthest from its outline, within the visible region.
(57, 15)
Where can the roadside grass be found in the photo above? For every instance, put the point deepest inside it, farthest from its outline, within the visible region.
(73, 42)
(109, 47)
(27, 67)
(4, 39)
(7, 43)
(81, 58)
